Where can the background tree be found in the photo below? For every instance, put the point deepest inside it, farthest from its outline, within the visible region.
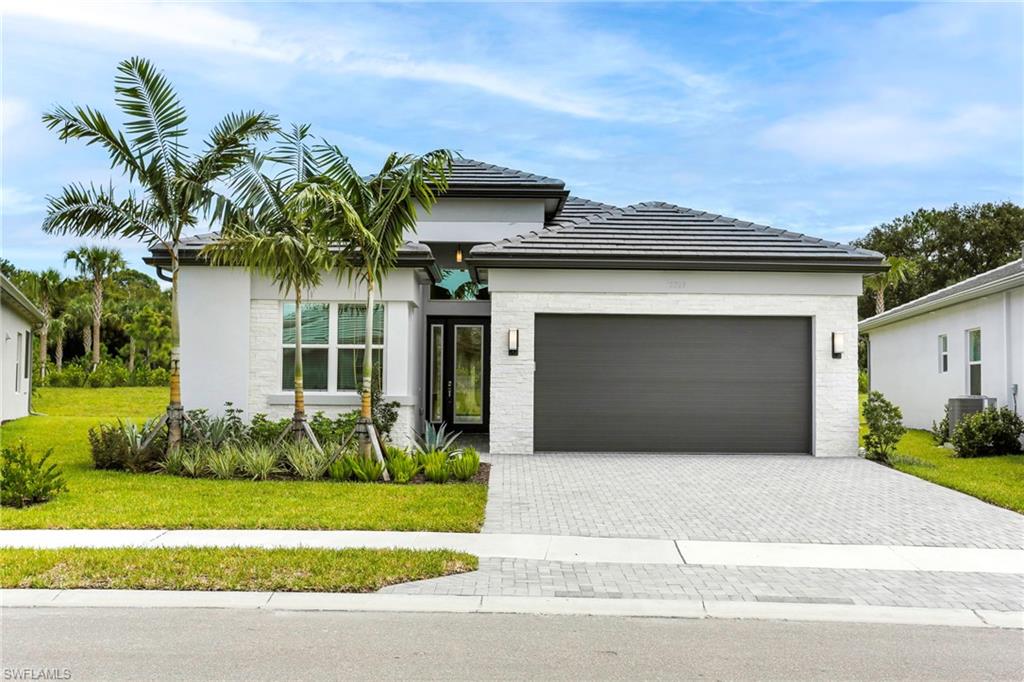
(900, 269)
(271, 229)
(948, 245)
(49, 291)
(386, 205)
(79, 313)
(58, 330)
(177, 186)
(97, 263)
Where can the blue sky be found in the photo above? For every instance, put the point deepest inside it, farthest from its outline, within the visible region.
(822, 118)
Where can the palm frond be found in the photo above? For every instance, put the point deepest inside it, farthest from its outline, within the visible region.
(94, 211)
(84, 123)
(155, 115)
(295, 156)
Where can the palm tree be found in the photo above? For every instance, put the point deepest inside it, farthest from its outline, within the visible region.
(79, 316)
(271, 228)
(176, 185)
(386, 205)
(900, 270)
(49, 290)
(97, 263)
(58, 329)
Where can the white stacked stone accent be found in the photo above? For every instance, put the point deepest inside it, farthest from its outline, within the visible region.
(835, 380)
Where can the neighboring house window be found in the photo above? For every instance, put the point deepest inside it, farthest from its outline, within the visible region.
(17, 366)
(974, 361)
(28, 356)
(943, 354)
(332, 346)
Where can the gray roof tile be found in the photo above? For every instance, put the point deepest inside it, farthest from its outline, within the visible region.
(666, 232)
(472, 173)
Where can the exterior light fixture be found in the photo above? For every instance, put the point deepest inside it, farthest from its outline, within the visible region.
(513, 342)
(458, 253)
(837, 344)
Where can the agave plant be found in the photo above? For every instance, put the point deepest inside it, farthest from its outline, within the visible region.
(436, 439)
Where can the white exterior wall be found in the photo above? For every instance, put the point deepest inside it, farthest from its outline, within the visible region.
(904, 356)
(214, 305)
(16, 389)
(472, 221)
(400, 295)
(829, 299)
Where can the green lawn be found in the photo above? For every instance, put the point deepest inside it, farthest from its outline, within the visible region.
(232, 568)
(108, 499)
(999, 480)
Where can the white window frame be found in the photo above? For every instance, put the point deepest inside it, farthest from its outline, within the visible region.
(971, 363)
(332, 346)
(943, 353)
(17, 364)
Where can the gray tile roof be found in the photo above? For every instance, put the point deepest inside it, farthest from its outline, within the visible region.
(656, 231)
(997, 279)
(472, 173)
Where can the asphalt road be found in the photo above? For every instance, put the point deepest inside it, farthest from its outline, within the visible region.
(197, 644)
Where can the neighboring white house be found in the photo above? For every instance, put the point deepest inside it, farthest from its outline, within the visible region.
(967, 339)
(18, 317)
(577, 326)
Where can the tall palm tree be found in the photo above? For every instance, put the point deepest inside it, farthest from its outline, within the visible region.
(177, 186)
(79, 316)
(49, 290)
(386, 205)
(271, 228)
(98, 263)
(58, 329)
(900, 270)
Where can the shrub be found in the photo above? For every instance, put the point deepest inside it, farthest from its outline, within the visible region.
(341, 469)
(366, 469)
(258, 462)
(989, 432)
(401, 466)
(465, 465)
(885, 427)
(223, 462)
(306, 461)
(194, 459)
(435, 466)
(863, 382)
(25, 480)
(266, 431)
(217, 431)
(120, 446)
(940, 429)
(174, 462)
(70, 376)
(332, 431)
(108, 374)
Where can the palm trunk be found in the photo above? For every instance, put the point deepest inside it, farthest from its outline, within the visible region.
(58, 352)
(300, 396)
(131, 353)
(366, 406)
(97, 314)
(174, 409)
(44, 333)
(879, 301)
(86, 341)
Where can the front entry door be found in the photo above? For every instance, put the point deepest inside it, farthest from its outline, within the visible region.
(458, 372)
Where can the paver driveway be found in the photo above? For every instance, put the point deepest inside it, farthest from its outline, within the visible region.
(737, 498)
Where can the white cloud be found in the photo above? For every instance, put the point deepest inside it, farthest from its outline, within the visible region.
(13, 112)
(185, 24)
(14, 201)
(871, 135)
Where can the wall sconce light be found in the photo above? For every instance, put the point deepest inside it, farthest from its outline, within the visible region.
(513, 342)
(458, 253)
(837, 344)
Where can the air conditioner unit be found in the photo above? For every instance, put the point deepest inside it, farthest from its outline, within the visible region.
(963, 405)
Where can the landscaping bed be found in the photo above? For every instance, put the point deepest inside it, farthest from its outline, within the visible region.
(118, 499)
(219, 569)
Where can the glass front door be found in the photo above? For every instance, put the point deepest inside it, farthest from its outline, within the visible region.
(458, 355)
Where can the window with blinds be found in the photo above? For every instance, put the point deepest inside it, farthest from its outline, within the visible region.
(333, 337)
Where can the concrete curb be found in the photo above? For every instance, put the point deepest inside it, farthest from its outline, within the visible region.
(637, 608)
(556, 548)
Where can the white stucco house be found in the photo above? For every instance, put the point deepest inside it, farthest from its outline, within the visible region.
(18, 317)
(583, 327)
(966, 339)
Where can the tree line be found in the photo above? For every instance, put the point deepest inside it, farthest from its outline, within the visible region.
(108, 312)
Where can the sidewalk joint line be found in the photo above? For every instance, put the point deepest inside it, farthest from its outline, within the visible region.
(680, 551)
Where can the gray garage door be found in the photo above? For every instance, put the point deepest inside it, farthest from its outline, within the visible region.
(632, 383)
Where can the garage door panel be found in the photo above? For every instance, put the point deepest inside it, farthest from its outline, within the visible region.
(672, 384)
